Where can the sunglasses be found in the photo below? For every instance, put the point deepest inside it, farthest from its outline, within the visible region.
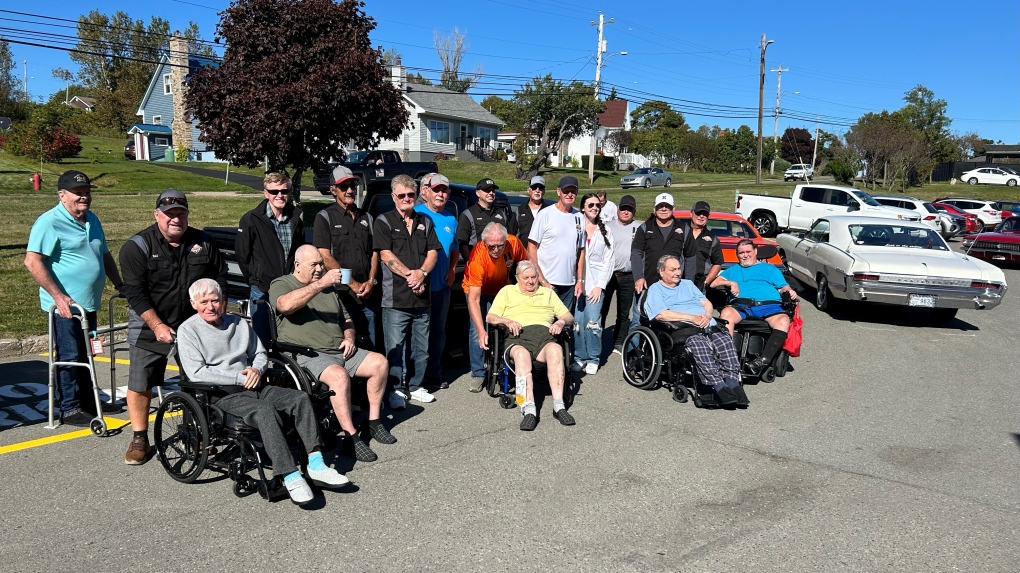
(568, 191)
(347, 186)
(537, 187)
(487, 191)
(440, 189)
(165, 201)
(403, 196)
(663, 206)
(593, 205)
(701, 214)
(277, 191)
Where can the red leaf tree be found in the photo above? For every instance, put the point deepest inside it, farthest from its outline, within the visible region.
(298, 80)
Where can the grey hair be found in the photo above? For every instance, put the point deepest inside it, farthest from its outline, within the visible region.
(204, 286)
(525, 265)
(493, 226)
(664, 258)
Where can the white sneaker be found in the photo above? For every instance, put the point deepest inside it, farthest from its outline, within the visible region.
(397, 400)
(327, 477)
(591, 368)
(298, 490)
(422, 395)
(576, 367)
(617, 351)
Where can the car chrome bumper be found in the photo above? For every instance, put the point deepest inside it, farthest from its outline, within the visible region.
(630, 184)
(995, 255)
(945, 296)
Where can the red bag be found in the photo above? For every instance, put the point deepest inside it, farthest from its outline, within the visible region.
(794, 337)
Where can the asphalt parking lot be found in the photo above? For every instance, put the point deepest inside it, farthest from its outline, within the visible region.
(893, 445)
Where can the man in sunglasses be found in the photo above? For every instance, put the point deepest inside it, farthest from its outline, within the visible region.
(267, 238)
(524, 218)
(710, 257)
(477, 216)
(662, 234)
(343, 235)
(159, 264)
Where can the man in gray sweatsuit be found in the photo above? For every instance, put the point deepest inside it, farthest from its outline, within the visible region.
(220, 349)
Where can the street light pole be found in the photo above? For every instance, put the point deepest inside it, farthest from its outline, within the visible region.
(601, 49)
(761, 106)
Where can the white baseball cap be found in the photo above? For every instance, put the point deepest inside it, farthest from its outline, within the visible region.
(664, 198)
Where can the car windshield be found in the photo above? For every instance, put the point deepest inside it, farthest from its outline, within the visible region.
(865, 198)
(897, 236)
(642, 171)
(1009, 170)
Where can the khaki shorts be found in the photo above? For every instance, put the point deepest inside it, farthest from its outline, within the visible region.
(532, 338)
(318, 362)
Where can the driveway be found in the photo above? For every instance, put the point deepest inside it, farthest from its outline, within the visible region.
(239, 178)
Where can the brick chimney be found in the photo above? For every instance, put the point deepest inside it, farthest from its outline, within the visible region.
(398, 75)
(180, 126)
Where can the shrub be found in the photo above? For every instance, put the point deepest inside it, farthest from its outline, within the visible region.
(46, 143)
(181, 154)
(840, 170)
(782, 165)
(499, 155)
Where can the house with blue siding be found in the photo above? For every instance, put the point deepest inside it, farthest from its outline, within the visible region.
(163, 124)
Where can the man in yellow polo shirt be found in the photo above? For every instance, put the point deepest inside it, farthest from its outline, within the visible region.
(534, 315)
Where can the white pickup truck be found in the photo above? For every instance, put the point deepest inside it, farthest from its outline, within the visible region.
(771, 215)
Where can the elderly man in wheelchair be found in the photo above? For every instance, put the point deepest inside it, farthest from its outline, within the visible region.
(679, 304)
(758, 293)
(222, 353)
(534, 317)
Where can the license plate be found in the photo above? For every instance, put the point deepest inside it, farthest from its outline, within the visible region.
(922, 300)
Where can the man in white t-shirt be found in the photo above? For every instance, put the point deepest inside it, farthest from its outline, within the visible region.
(556, 245)
(608, 210)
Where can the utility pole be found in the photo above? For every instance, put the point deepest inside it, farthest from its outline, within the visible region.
(761, 106)
(25, 62)
(814, 155)
(599, 50)
(775, 127)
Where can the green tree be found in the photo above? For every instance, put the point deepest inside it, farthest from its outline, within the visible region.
(10, 102)
(655, 114)
(504, 109)
(928, 116)
(266, 97)
(551, 112)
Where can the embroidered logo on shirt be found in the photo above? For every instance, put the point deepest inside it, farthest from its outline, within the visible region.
(364, 222)
(706, 238)
(497, 216)
(447, 229)
(196, 249)
(678, 231)
(421, 226)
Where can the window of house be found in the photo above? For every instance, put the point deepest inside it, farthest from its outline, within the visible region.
(157, 120)
(439, 132)
(162, 141)
(167, 86)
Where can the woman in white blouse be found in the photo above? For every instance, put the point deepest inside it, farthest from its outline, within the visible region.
(598, 268)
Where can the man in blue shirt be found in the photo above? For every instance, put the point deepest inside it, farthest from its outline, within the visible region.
(69, 259)
(435, 195)
(757, 288)
(674, 300)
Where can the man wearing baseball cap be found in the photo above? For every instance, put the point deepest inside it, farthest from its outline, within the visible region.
(524, 218)
(556, 245)
(477, 216)
(343, 235)
(159, 264)
(623, 228)
(710, 257)
(662, 234)
(70, 261)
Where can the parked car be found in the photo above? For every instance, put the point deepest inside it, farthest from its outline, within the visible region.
(807, 203)
(647, 177)
(1002, 244)
(802, 171)
(991, 176)
(1009, 208)
(730, 229)
(903, 263)
(129, 149)
(988, 212)
(930, 216)
(972, 225)
(374, 169)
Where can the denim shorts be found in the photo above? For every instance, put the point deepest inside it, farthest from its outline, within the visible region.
(761, 311)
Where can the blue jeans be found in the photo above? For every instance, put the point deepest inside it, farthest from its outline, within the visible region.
(69, 342)
(566, 294)
(363, 316)
(259, 314)
(635, 314)
(401, 325)
(437, 332)
(475, 354)
(589, 330)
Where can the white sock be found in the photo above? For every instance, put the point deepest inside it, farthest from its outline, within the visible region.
(528, 408)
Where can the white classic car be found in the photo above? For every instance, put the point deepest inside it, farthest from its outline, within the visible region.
(892, 262)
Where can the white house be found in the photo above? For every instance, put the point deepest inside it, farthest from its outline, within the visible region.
(616, 117)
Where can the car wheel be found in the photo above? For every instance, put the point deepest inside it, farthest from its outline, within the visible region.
(972, 181)
(823, 296)
(764, 223)
(1011, 183)
(669, 182)
(648, 183)
(981, 226)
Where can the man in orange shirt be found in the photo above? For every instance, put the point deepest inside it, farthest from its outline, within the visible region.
(489, 268)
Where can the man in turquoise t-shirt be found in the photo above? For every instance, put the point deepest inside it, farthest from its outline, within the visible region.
(752, 283)
(69, 259)
(435, 194)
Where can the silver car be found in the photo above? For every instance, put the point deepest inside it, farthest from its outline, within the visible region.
(647, 177)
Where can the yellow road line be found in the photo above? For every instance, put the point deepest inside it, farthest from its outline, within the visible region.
(119, 361)
(111, 424)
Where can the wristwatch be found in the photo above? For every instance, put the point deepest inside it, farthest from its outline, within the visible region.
(375, 281)
(424, 273)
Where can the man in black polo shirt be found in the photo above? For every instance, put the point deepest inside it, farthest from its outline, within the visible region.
(408, 248)
(524, 218)
(267, 238)
(477, 216)
(158, 265)
(710, 257)
(343, 235)
(662, 234)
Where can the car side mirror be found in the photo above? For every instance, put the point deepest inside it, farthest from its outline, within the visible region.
(853, 206)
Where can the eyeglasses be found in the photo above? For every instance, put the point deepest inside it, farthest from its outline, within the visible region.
(591, 205)
(537, 187)
(347, 186)
(165, 201)
(568, 191)
(495, 247)
(403, 196)
(277, 191)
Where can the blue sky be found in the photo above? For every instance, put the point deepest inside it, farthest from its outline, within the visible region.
(844, 58)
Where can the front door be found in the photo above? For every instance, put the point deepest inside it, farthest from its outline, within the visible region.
(463, 139)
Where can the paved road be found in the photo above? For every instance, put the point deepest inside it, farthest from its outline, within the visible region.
(892, 446)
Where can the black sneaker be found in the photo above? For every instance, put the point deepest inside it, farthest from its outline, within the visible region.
(380, 434)
(80, 419)
(529, 422)
(725, 397)
(756, 366)
(742, 399)
(564, 417)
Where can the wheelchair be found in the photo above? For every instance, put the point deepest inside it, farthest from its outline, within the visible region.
(500, 381)
(750, 335)
(655, 355)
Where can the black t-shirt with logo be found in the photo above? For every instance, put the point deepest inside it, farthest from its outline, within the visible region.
(411, 249)
(474, 219)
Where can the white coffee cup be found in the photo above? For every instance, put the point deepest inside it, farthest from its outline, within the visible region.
(345, 276)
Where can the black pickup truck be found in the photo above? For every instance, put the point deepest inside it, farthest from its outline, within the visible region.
(375, 169)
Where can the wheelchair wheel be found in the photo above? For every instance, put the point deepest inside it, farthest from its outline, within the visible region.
(642, 358)
(494, 364)
(768, 375)
(782, 363)
(181, 433)
(506, 401)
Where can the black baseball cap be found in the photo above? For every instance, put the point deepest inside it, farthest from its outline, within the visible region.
(486, 184)
(568, 181)
(628, 202)
(701, 206)
(72, 179)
